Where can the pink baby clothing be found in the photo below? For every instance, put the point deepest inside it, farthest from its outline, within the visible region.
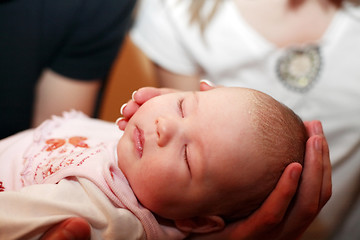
(74, 155)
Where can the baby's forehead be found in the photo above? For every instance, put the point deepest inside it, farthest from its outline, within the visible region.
(233, 94)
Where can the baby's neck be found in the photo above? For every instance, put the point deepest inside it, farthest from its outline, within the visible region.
(164, 221)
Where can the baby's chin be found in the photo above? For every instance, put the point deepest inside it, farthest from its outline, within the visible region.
(120, 157)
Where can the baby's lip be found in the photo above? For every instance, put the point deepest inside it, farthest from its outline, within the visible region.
(139, 140)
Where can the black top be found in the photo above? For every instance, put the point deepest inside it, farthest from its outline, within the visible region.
(75, 38)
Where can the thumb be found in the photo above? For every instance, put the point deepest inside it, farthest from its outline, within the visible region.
(70, 229)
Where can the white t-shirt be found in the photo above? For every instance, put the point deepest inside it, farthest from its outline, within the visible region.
(231, 53)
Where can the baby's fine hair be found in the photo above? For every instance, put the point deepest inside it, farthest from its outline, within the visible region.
(280, 137)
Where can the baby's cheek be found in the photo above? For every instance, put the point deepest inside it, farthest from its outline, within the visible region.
(148, 195)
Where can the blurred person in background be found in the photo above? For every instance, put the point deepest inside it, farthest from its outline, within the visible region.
(303, 53)
(55, 56)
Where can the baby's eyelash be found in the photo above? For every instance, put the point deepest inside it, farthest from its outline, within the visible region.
(185, 152)
(180, 106)
(186, 157)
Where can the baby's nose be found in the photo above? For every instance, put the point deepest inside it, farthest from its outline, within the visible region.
(166, 129)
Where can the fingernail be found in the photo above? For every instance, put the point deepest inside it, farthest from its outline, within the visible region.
(118, 120)
(133, 95)
(122, 108)
(211, 84)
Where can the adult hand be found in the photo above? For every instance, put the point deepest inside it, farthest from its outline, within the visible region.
(286, 215)
(142, 95)
(70, 229)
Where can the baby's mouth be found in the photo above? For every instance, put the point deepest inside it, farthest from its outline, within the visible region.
(139, 140)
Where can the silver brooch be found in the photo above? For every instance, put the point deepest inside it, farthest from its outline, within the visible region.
(299, 67)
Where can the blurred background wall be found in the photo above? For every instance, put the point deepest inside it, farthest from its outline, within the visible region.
(131, 70)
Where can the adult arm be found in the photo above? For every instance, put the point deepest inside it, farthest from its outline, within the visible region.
(81, 44)
(56, 93)
(167, 79)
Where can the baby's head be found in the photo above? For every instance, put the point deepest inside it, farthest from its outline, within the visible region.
(199, 158)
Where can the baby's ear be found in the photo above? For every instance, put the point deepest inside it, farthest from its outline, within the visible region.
(204, 224)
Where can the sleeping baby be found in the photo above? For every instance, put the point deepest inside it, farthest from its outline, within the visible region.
(187, 162)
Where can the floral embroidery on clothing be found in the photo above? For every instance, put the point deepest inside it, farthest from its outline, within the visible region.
(56, 155)
(2, 188)
(55, 143)
(78, 142)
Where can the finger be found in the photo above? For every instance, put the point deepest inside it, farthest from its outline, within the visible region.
(306, 205)
(308, 126)
(144, 94)
(122, 108)
(314, 128)
(121, 122)
(318, 129)
(129, 109)
(72, 228)
(273, 210)
(326, 183)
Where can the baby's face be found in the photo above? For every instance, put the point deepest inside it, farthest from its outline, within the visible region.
(180, 151)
